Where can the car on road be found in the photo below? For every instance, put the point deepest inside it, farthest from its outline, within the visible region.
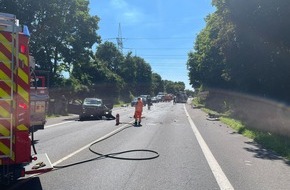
(134, 101)
(146, 99)
(154, 99)
(95, 108)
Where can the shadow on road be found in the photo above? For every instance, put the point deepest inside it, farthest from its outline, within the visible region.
(25, 184)
(263, 153)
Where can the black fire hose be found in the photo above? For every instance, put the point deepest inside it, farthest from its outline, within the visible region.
(113, 155)
(32, 141)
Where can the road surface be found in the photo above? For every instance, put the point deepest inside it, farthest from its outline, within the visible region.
(192, 153)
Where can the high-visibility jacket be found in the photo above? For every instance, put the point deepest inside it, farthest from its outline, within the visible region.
(139, 106)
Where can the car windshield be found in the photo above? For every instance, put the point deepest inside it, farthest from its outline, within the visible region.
(92, 102)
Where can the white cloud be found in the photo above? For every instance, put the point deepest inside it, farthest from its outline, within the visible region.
(126, 13)
(119, 4)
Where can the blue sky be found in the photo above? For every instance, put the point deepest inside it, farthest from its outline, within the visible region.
(160, 31)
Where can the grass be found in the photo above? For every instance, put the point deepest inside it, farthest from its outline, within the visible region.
(276, 143)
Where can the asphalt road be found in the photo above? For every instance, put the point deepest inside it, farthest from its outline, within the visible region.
(194, 153)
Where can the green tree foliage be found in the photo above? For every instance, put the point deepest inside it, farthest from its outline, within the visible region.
(100, 81)
(128, 73)
(62, 31)
(173, 87)
(110, 55)
(62, 36)
(143, 76)
(206, 65)
(244, 47)
(157, 84)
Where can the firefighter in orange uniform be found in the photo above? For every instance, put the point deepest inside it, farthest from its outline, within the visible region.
(138, 112)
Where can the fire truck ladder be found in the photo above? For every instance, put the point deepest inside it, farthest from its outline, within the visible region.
(9, 23)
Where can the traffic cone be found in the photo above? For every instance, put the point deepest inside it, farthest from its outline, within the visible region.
(117, 119)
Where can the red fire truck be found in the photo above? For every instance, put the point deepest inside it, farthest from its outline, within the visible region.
(16, 158)
(39, 97)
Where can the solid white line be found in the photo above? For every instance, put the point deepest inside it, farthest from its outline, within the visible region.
(53, 125)
(88, 145)
(217, 171)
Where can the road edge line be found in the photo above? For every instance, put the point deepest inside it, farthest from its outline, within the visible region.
(217, 171)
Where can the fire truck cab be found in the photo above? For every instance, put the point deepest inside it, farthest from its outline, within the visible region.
(15, 103)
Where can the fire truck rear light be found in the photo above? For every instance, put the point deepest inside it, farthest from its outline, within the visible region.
(22, 48)
(34, 158)
(23, 106)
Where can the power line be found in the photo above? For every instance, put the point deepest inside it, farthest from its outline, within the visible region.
(158, 38)
(151, 38)
(163, 55)
(153, 48)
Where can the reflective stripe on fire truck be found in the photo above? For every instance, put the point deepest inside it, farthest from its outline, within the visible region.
(4, 131)
(4, 113)
(4, 149)
(22, 127)
(23, 93)
(21, 89)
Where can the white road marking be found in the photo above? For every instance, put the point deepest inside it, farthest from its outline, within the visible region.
(217, 171)
(88, 145)
(53, 125)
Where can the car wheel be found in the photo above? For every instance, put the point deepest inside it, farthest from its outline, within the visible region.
(110, 116)
(98, 117)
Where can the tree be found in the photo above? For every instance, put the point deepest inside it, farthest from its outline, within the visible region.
(143, 76)
(244, 47)
(206, 65)
(62, 32)
(110, 55)
(173, 87)
(157, 83)
(100, 81)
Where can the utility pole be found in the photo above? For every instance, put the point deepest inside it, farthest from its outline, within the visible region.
(120, 39)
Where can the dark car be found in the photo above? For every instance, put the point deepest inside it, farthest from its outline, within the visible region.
(134, 101)
(154, 99)
(146, 99)
(95, 108)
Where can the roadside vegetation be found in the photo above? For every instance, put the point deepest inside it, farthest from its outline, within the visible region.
(76, 60)
(270, 141)
(277, 143)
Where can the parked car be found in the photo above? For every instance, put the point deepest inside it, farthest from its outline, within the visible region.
(154, 99)
(95, 108)
(134, 101)
(145, 99)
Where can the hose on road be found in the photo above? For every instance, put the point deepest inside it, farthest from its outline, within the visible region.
(113, 155)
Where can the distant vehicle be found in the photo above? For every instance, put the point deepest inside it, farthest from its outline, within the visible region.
(160, 98)
(154, 99)
(168, 97)
(134, 101)
(145, 99)
(181, 97)
(95, 108)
